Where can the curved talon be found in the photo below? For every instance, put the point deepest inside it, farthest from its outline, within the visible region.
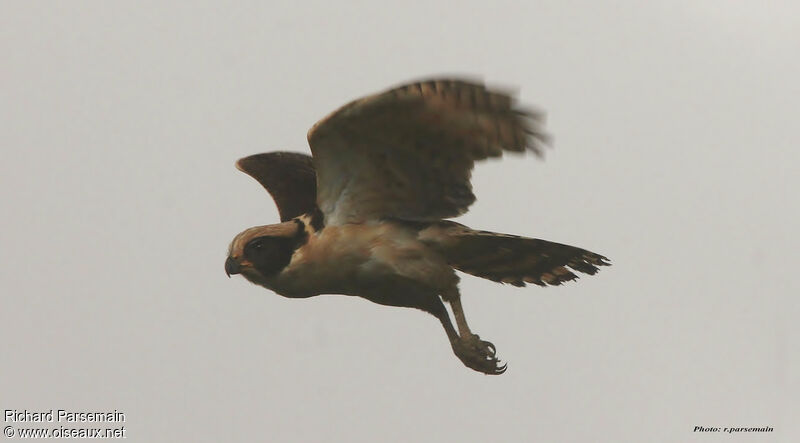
(478, 355)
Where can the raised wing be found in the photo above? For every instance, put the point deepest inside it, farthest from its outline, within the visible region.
(408, 153)
(288, 176)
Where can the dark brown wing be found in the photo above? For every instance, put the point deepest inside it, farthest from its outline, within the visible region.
(288, 176)
(519, 260)
(509, 258)
(408, 153)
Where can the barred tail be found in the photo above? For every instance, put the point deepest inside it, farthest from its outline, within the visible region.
(508, 258)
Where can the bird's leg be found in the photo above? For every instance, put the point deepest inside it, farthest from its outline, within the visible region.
(458, 311)
(469, 348)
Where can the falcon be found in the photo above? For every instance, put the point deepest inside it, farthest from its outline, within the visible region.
(365, 215)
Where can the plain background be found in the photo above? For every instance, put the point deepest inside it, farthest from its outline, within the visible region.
(676, 155)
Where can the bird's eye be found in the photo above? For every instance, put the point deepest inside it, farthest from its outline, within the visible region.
(257, 246)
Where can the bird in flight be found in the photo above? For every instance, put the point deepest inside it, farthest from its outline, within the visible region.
(365, 215)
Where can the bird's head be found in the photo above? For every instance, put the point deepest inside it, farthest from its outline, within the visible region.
(263, 251)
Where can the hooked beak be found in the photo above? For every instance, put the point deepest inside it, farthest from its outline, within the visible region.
(232, 267)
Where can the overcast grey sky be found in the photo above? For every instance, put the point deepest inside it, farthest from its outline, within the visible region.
(675, 155)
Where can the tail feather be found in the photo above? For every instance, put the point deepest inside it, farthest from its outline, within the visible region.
(508, 258)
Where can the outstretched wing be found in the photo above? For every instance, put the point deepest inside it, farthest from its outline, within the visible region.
(288, 176)
(408, 153)
(507, 258)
